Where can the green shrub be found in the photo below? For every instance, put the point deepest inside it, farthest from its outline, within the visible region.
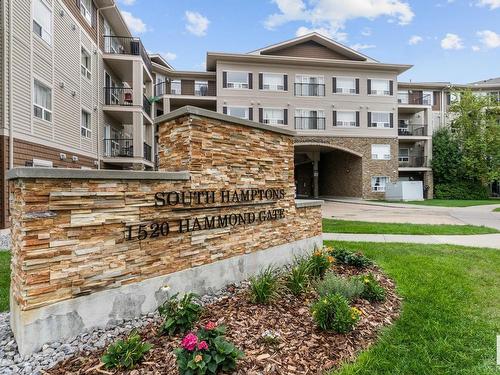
(207, 352)
(179, 315)
(297, 280)
(344, 256)
(265, 286)
(372, 290)
(332, 313)
(461, 190)
(126, 353)
(319, 262)
(350, 288)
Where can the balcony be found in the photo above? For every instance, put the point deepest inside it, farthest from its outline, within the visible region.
(415, 98)
(413, 161)
(185, 87)
(146, 106)
(119, 148)
(124, 45)
(413, 130)
(309, 89)
(310, 123)
(117, 95)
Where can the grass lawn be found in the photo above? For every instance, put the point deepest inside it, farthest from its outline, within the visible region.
(450, 316)
(496, 209)
(4, 280)
(347, 226)
(453, 202)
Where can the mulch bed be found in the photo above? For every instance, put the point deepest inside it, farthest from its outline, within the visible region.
(304, 349)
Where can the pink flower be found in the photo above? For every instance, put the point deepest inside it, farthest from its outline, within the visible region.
(210, 326)
(189, 342)
(202, 345)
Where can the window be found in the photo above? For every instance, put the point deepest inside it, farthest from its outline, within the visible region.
(273, 116)
(345, 85)
(379, 183)
(309, 119)
(381, 152)
(306, 85)
(42, 101)
(86, 124)
(42, 21)
(346, 119)
(237, 80)
(159, 85)
(201, 88)
(428, 98)
(380, 120)
(241, 112)
(404, 155)
(86, 64)
(380, 87)
(86, 10)
(175, 87)
(274, 82)
(403, 97)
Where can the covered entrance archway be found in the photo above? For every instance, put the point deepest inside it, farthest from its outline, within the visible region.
(327, 171)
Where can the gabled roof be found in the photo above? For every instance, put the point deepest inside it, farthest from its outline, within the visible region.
(313, 40)
(160, 60)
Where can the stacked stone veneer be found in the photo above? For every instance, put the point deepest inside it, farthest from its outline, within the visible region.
(69, 234)
(348, 169)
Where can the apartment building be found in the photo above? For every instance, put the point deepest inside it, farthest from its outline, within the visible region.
(75, 89)
(343, 105)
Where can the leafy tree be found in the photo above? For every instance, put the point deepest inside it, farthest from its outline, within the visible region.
(446, 157)
(475, 126)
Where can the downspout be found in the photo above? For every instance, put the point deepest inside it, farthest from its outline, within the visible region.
(99, 91)
(11, 106)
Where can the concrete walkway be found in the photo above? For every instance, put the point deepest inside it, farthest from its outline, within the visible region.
(479, 240)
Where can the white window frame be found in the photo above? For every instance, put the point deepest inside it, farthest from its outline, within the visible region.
(404, 158)
(349, 91)
(45, 35)
(86, 13)
(344, 124)
(430, 94)
(381, 125)
(377, 92)
(247, 112)
(383, 156)
(199, 84)
(85, 130)
(172, 92)
(86, 71)
(381, 187)
(278, 87)
(238, 85)
(273, 121)
(44, 110)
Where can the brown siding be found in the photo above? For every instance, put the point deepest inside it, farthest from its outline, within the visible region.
(415, 97)
(212, 88)
(309, 49)
(75, 10)
(24, 152)
(437, 101)
(187, 87)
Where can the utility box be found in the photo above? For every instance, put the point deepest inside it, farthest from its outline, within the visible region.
(405, 191)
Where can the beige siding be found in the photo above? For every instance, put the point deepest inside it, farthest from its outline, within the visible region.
(42, 60)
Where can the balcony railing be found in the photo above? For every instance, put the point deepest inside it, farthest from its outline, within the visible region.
(118, 96)
(310, 123)
(166, 88)
(146, 105)
(309, 89)
(125, 45)
(147, 152)
(413, 129)
(412, 161)
(119, 148)
(416, 99)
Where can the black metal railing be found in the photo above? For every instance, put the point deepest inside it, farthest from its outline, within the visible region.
(412, 161)
(118, 96)
(309, 89)
(417, 99)
(146, 105)
(160, 88)
(166, 88)
(119, 148)
(408, 129)
(147, 152)
(310, 123)
(125, 45)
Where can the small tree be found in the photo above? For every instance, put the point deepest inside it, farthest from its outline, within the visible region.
(446, 157)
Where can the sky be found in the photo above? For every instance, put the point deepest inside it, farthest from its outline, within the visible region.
(446, 40)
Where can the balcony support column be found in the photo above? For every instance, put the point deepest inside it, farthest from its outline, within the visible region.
(138, 135)
(316, 157)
